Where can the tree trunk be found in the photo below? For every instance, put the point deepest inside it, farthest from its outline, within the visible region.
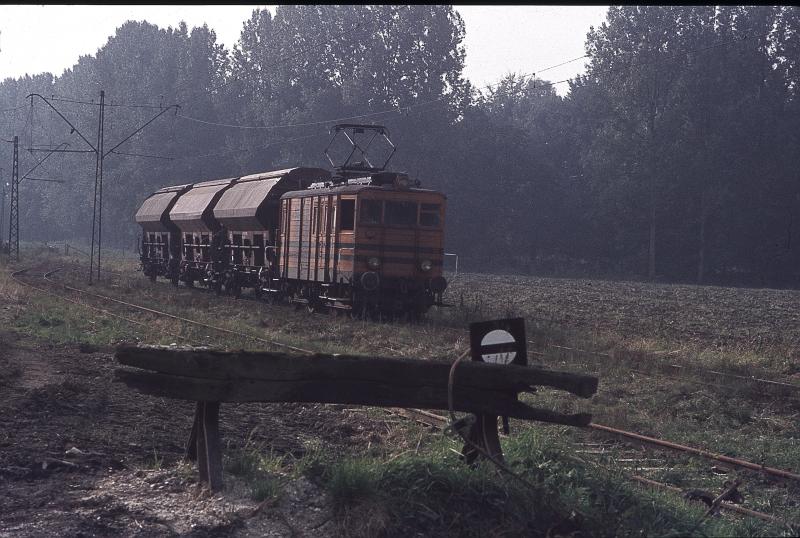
(701, 261)
(651, 128)
(651, 266)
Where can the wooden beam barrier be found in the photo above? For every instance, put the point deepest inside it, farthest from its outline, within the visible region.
(210, 377)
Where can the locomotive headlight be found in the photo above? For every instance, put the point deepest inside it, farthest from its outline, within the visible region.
(374, 262)
(425, 265)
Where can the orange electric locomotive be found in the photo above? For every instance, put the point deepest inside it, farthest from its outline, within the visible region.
(362, 240)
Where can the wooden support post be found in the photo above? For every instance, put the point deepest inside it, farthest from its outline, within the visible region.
(483, 435)
(204, 445)
(213, 450)
(191, 445)
(202, 457)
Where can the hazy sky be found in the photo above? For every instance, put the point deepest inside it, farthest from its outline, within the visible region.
(499, 39)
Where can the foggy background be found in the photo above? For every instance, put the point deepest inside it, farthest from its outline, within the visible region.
(674, 157)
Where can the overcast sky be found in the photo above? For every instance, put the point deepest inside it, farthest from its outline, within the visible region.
(499, 39)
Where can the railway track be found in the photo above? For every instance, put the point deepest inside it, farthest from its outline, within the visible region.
(664, 368)
(627, 462)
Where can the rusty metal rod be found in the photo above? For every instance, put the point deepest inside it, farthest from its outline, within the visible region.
(723, 505)
(695, 369)
(698, 451)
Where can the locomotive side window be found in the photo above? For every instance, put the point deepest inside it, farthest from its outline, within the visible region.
(400, 213)
(348, 221)
(371, 211)
(429, 215)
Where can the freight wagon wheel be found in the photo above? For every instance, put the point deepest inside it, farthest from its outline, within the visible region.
(234, 290)
(312, 307)
(358, 311)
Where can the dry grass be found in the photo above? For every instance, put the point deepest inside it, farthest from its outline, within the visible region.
(639, 328)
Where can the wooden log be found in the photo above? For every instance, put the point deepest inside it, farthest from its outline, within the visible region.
(281, 367)
(343, 391)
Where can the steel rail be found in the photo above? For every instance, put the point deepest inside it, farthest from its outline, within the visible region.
(185, 320)
(689, 369)
(781, 473)
(16, 274)
(657, 442)
(440, 422)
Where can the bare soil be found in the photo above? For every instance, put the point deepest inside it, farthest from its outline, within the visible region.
(81, 455)
(757, 320)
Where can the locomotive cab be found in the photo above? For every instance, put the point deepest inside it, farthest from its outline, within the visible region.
(369, 245)
(399, 248)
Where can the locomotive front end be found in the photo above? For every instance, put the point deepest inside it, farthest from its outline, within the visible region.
(398, 248)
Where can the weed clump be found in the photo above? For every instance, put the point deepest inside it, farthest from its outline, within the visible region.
(433, 495)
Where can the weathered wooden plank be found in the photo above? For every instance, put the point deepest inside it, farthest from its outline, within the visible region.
(342, 391)
(269, 366)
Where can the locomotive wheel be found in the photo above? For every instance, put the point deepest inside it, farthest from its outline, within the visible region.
(359, 311)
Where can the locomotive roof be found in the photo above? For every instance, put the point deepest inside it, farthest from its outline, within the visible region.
(244, 206)
(353, 189)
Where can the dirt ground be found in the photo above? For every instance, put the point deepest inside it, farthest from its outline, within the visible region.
(82, 455)
(758, 320)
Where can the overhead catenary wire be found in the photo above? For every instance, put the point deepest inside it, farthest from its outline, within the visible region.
(116, 105)
(522, 78)
(396, 109)
(245, 150)
(392, 110)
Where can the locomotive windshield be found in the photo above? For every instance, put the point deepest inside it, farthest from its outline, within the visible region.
(399, 213)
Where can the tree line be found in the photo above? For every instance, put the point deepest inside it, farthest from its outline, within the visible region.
(674, 157)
